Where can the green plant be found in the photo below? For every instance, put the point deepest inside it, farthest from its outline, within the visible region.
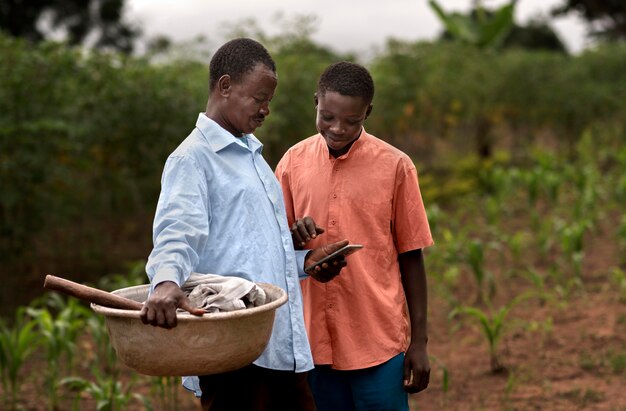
(59, 334)
(572, 236)
(445, 377)
(618, 277)
(103, 355)
(17, 343)
(618, 363)
(476, 260)
(621, 239)
(492, 324)
(484, 29)
(166, 390)
(108, 392)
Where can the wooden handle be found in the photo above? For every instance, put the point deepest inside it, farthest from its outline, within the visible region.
(90, 294)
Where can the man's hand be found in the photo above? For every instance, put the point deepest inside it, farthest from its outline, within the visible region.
(303, 231)
(416, 368)
(330, 269)
(160, 309)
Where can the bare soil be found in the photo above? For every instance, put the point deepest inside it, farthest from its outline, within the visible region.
(568, 353)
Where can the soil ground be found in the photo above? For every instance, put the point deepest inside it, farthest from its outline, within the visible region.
(567, 353)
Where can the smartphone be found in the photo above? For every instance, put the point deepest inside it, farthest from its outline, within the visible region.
(347, 250)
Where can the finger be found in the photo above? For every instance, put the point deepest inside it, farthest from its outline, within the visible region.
(296, 235)
(150, 317)
(337, 264)
(331, 248)
(301, 233)
(143, 314)
(319, 230)
(304, 227)
(425, 380)
(421, 381)
(186, 305)
(159, 319)
(406, 372)
(310, 227)
(171, 319)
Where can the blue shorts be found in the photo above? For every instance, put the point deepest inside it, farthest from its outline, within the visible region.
(379, 388)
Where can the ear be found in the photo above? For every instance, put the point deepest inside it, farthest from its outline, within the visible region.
(224, 85)
(315, 99)
(369, 110)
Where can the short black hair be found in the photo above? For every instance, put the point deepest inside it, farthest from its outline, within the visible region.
(348, 79)
(236, 58)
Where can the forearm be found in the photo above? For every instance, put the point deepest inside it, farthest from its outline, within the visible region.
(414, 282)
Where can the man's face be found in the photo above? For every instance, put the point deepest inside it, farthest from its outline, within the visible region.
(249, 99)
(340, 118)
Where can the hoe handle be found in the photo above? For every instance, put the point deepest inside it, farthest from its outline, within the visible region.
(90, 294)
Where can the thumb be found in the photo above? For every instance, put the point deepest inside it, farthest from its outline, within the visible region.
(407, 372)
(186, 305)
(318, 229)
(331, 248)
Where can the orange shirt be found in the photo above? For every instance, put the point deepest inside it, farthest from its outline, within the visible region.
(370, 195)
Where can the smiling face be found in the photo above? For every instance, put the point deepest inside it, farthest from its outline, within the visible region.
(247, 101)
(340, 118)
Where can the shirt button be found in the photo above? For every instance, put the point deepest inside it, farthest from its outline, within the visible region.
(330, 306)
(332, 222)
(334, 195)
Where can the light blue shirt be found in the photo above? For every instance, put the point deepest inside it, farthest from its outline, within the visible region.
(221, 211)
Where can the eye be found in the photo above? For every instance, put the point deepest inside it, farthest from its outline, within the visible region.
(326, 118)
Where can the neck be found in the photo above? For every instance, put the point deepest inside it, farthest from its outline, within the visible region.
(214, 113)
(344, 150)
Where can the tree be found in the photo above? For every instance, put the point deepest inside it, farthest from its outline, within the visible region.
(536, 35)
(489, 29)
(97, 22)
(606, 18)
(481, 28)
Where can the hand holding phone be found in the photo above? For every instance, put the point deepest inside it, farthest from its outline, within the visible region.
(344, 251)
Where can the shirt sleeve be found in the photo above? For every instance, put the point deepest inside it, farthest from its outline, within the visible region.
(410, 224)
(181, 222)
(282, 174)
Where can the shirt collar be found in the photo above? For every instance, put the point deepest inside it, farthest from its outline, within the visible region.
(355, 146)
(219, 138)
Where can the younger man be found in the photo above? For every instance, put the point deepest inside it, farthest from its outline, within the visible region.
(221, 211)
(361, 188)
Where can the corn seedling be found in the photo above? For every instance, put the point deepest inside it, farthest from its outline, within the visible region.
(621, 239)
(445, 377)
(617, 363)
(166, 390)
(492, 325)
(59, 335)
(104, 355)
(17, 343)
(476, 261)
(515, 244)
(572, 236)
(107, 391)
(618, 277)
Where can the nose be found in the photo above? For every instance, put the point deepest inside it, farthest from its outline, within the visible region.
(265, 109)
(337, 128)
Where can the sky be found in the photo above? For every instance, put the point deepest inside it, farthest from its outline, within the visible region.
(344, 25)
